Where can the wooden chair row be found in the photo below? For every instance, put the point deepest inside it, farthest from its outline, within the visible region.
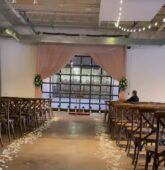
(22, 115)
(139, 123)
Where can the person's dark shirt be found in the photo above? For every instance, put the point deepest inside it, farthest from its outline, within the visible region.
(133, 99)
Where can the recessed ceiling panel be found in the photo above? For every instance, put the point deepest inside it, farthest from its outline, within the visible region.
(132, 10)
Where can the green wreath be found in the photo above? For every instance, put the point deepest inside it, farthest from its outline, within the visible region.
(123, 84)
(38, 80)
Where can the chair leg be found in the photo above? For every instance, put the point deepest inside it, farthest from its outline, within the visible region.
(137, 158)
(129, 146)
(127, 137)
(135, 150)
(147, 160)
(8, 131)
(12, 129)
(1, 135)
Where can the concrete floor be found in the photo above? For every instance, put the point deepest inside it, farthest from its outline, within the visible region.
(72, 143)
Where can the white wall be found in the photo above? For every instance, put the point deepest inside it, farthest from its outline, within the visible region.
(146, 72)
(17, 68)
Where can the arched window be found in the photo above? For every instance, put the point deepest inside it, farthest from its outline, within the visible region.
(82, 77)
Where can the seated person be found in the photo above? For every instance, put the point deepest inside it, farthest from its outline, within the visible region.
(134, 97)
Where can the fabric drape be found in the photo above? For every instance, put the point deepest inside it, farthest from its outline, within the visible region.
(53, 57)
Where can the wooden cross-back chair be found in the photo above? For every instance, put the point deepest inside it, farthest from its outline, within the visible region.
(6, 121)
(157, 152)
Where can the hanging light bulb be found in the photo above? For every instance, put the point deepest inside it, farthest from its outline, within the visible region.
(140, 30)
(144, 28)
(35, 2)
(149, 27)
(117, 24)
(163, 19)
(134, 30)
(121, 1)
(156, 24)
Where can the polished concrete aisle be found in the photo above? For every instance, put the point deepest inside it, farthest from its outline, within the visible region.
(72, 143)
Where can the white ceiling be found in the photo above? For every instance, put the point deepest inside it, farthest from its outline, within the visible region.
(133, 10)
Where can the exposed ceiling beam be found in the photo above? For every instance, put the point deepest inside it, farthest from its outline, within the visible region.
(89, 40)
(159, 30)
(9, 13)
(12, 15)
(23, 14)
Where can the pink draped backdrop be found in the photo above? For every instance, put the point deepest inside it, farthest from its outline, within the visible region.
(53, 57)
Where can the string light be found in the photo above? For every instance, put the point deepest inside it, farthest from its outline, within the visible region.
(125, 29)
(144, 28)
(156, 24)
(119, 15)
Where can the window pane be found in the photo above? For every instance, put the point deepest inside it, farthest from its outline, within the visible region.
(76, 60)
(75, 79)
(95, 89)
(45, 95)
(115, 98)
(64, 105)
(115, 82)
(46, 87)
(55, 105)
(76, 70)
(65, 71)
(115, 90)
(105, 97)
(105, 89)
(86, 60)
(96, 80)
(94, 98)
(94, 107)
(85, 89)
(85, 100)
(55, 90)
(75, 88)
(96, 71)
(86, 106)
(86, 71)
(85, 79)
(65, 79)
(106, 80)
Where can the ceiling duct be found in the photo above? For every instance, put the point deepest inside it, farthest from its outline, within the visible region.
(13, 16)
(10, 13)
(86, 40)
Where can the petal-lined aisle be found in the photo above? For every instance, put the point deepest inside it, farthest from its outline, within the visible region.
(71, 143)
